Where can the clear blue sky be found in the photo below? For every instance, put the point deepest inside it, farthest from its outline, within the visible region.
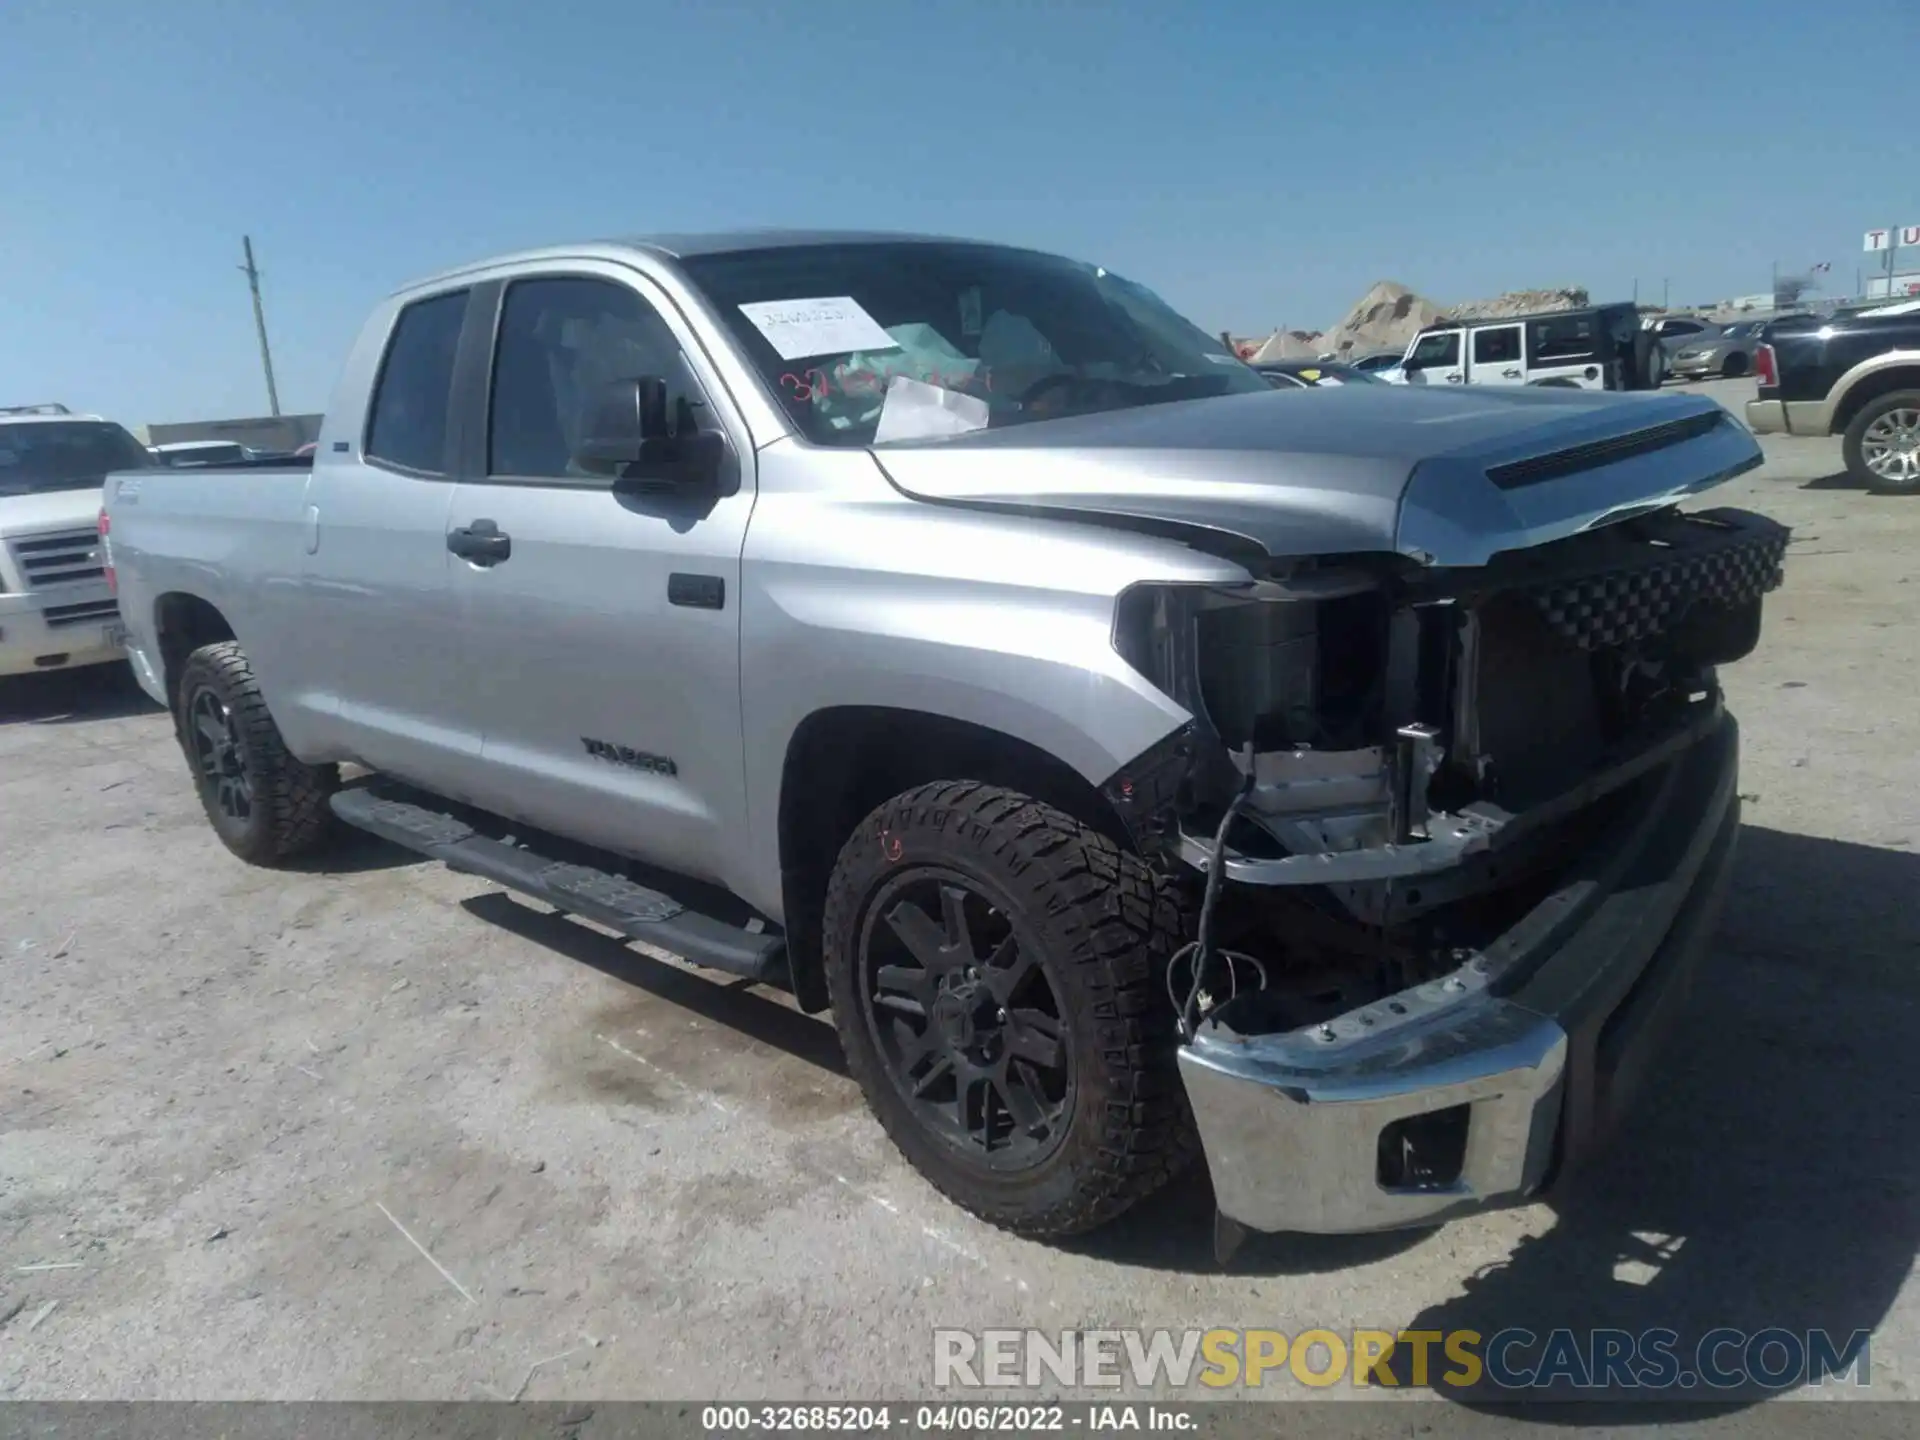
(1256, 163)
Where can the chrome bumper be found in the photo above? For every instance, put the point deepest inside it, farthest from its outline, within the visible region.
(1787, 417)
(1527, 1053)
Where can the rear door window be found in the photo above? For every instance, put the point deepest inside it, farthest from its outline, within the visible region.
(1563, 339)
(407, 425)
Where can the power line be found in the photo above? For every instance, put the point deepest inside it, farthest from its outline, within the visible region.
(252, 273)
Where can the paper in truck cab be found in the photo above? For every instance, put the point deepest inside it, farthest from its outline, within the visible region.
(833, 325)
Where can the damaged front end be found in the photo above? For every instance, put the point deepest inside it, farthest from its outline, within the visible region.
(1448, 821)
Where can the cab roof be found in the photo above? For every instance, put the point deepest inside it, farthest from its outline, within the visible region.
(689, 245)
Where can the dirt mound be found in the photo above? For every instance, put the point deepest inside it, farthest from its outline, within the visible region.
(1389, 315)
(1288, 345)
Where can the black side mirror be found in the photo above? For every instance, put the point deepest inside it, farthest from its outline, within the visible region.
(627, 435)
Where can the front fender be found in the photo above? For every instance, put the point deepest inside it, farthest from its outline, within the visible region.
(1003, 623)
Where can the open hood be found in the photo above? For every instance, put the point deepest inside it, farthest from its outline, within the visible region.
(1447, 477)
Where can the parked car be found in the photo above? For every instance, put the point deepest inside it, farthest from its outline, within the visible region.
(1858, 379)
(989, 657)
(56, 610)
(1600, 347)
(1307, 374)
(1378, 363)
(1726, 352)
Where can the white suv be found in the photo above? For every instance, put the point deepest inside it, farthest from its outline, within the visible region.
(1595, 347)
(57, 609)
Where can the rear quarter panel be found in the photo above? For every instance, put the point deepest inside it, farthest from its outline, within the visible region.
(231, 539)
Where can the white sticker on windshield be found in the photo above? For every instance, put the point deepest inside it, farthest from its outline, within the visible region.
(915, 410)
(1223, 359)
(801, 329)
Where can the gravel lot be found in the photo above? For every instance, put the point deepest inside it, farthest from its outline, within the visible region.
(241, 1109)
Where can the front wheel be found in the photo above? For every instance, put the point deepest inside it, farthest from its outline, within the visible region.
(1882, 445)
(996, 969)
(266, 806)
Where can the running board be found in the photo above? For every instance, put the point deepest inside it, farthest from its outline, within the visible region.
(597, 895)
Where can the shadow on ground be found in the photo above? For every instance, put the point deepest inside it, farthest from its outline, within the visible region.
(737, 1004)
(1760, 1184)
(61, 697)
(1840, 480)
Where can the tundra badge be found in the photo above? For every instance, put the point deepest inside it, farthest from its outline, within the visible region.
(625, 755)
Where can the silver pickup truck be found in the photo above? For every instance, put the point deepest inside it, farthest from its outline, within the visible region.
(1139, 761)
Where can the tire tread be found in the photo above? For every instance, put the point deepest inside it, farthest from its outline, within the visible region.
(1118, 930)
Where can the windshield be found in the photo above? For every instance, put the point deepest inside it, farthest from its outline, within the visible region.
(64, 455)
(872, 342)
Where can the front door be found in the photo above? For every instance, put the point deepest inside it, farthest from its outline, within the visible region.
(1498, 356)
(380, 642)
(603, 619)
(1436, 359)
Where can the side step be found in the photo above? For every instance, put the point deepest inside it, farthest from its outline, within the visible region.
(597, 895)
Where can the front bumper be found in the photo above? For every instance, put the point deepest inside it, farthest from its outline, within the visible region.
(58, 629)
(1520, 1060)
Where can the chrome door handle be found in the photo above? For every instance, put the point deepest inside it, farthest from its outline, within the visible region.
(1511, 374)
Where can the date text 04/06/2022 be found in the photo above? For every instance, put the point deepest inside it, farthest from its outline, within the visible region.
(963, 1418)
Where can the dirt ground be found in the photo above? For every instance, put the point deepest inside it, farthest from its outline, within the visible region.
(377, 1130)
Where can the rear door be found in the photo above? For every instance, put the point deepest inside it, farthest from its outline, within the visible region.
(1498, 356)
(604, 642)
(1437, 358)
(379, 638)
(1569, 349)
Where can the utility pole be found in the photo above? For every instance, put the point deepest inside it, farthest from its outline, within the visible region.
(1636, 292)
(252, 273)
(1666, 289)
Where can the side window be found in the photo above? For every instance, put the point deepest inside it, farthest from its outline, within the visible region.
(560, 342)
(408, 423)
(1563, 338)
(1496, 347)
(1439, 349)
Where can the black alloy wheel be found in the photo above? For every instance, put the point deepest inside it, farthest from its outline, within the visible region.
(266, 806)
(219, 753)
(997, 973)
(967, 1024)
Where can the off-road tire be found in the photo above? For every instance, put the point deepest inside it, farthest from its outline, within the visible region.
(1106, 933)
(289, 815)
(1856, 432)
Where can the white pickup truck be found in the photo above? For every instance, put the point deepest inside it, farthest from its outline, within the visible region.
(56, 610)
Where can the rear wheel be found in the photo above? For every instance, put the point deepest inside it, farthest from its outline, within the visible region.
(995, 970)
(266, 806)
(1882, 444)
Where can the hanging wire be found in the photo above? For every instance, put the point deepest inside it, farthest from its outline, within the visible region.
(1199, 953)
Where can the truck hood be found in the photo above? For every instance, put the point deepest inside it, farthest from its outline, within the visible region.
(49, 510)
(1447, 477)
